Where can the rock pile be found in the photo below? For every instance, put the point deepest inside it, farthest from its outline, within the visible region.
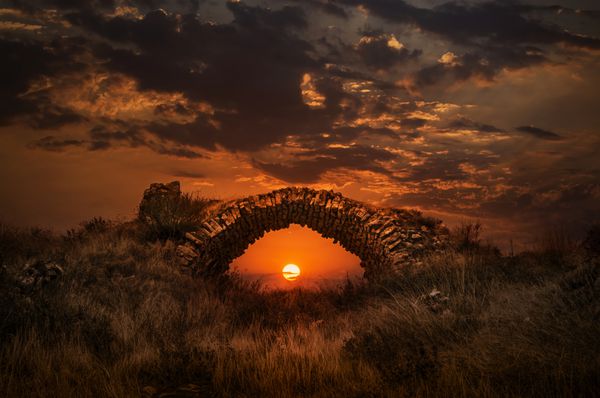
(384, 239)
(155, 194)
(37, 274)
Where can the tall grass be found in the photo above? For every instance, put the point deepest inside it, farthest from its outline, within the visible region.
(124, 321)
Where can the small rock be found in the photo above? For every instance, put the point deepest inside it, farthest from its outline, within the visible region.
(186, 254)
(149, 391)
(190, 388)
(436, 301)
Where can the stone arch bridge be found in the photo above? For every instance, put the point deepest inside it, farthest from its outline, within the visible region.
(383, 238)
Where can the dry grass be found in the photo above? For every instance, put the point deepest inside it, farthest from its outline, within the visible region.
(123, 317)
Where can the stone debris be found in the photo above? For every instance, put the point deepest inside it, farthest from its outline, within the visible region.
(436, 301)
(186, 254)
(37, 274)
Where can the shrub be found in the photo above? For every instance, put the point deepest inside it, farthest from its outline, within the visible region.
(170, 217)
(591, 243)
(466, 236)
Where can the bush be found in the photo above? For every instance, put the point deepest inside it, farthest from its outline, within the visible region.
(591, 243)
(170, 217)
(466, 236)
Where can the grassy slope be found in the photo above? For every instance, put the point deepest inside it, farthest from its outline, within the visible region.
(123, 317)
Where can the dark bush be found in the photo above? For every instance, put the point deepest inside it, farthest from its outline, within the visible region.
(398, 355)
(466, 236)
(591, 243)
(170, 217)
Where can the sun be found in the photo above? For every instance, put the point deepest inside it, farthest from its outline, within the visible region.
(291, 272)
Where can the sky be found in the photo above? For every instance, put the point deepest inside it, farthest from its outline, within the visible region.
(321, 261)
(465, 110)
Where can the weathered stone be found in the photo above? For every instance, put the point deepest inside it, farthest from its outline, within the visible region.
(37, 274)
(382, 238)
(186, 254)
(157, 192)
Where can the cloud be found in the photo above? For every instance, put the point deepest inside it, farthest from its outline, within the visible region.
(327, 6)
(484, 63)
(250, 71)
(498, 23)
(187, 174)
(25, 62)
(111, 6)
(326, 159)
(382, 51)
(463, 123)
(102, 139)
(539, 133)
(54, 144)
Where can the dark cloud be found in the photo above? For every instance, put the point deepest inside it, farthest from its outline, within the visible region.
(175, 151)
(381, 51)
(497, 35)
(50, 117)
(326, 159)
(33, 6)
(485, 63)
(187, 174)
(498, 23)
(23, 63)
(345, 72)
(103, 139)
(54, 144)
(327, 6)
(413, 122)
(558, 10)
(250, 70)
(437, 167)
(539, 133)
(26, 62)
(467, 124)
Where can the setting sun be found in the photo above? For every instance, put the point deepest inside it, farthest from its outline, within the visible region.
(291, 272)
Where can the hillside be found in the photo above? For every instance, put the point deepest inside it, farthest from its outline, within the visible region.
(105, 310)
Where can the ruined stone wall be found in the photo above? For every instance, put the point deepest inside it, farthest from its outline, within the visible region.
(384, 239)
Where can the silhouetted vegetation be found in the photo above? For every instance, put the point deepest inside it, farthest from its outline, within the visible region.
(124, 320)
(170, 217)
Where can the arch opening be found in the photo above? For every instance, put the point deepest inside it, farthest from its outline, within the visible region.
(321, 261)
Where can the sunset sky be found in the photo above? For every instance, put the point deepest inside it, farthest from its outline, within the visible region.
(484, 110)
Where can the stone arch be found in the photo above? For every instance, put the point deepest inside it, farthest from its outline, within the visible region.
(383, 238)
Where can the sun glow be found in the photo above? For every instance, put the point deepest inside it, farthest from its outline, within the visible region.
(320, 260)
(291, 272)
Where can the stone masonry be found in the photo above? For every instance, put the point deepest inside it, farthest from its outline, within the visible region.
(383, 238)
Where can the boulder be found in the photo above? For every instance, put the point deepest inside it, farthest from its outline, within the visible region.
(157, 192)
(186, 254)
